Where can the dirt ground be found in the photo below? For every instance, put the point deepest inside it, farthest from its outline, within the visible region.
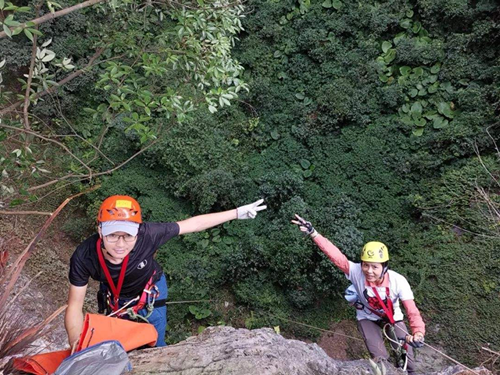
(47, 269)
(345, 343)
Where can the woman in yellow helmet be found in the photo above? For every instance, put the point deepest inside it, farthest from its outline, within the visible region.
(376, 292)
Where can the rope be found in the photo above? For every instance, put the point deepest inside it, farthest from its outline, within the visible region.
(399, 345)
(355, 338)
(124, 306)
(446, 356)
(180, 302)
(319, 329)
(389, 338)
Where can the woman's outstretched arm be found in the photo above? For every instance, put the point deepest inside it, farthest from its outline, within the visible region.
(331, 251)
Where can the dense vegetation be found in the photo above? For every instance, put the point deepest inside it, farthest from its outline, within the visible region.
(367, 118)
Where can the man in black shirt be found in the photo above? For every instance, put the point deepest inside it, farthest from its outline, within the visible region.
(121, 257)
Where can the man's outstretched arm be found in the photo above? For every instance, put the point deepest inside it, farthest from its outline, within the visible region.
(202, 222)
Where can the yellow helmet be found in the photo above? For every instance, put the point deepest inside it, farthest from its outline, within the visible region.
(375, 252)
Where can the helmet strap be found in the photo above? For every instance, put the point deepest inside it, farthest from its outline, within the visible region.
(385, 269)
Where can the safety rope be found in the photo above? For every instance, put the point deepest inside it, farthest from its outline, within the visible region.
(310, 326)
(124, 306)
(438, 351)
(313, 327)
(401, 346)
(355, 338)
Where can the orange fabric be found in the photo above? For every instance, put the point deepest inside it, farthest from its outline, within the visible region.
(96, 329)
(120, 207)
(41, 364)
(132, 335)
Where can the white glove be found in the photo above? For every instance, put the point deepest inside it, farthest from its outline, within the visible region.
(250, 210)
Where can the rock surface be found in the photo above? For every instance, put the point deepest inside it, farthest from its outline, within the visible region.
(230, 351)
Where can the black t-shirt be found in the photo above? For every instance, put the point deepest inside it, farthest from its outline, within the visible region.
(141, 264)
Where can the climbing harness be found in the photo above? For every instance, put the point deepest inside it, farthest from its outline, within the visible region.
(400, 346)
(109, 301)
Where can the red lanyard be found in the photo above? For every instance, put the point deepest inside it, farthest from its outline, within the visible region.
(114, 289)
(388, 309)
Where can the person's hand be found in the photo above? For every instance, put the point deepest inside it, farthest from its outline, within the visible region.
(416, 340)
(250, 210)
(304, 226)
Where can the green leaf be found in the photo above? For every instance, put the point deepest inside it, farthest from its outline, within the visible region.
(418, 132)
(307, 173)
(413, 92)
(422, 92)
(300, 96)
(409, 13)
(304, 163)
(416, 109)
(420, 122)
(405, 108)
(7, 30)
(9, 21)
(277, 54)
(433, 89)
(275, 135)
(430, 115)
(447, 87)
(2, 4)
(386, 46)
(383, 78)
(416, 27)
(337, 4)
(390, 56)
(418, 72)
(405, 70)
(405, 24)
(439, 122)
(327, 4)
(445, 109)
(35, 31)
(436, 68)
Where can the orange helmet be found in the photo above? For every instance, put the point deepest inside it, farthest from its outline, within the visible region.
(120, 207)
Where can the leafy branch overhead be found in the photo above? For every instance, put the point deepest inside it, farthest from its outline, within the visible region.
(156, 63)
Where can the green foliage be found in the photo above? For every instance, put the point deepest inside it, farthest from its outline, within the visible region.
(338, 91)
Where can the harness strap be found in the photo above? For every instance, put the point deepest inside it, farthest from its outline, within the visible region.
(389, 308)
(114, 289)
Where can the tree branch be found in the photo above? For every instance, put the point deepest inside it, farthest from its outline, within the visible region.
(82, 177)
(52, 89)
(62, 12)
(49, 140)
(30, 75)
(25, 213)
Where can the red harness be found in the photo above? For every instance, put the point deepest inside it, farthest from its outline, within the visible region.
(388, 309)
(116, 289)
